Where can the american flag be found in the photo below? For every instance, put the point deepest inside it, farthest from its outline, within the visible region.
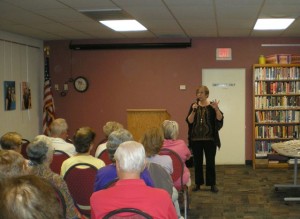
(48, 110)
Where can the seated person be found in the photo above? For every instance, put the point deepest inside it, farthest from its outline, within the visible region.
(12, 164)
(130, 191)
(83, 141)
(11, 141)
(28, 197)
(108, 128)
(171, 131)
(108, 173)
(152, 141)
(59, 135)
(40, 154)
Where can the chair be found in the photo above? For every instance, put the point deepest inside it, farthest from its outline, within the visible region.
(111, 183)
(61, 200)
(160, 177)
(132, 213)
(95, 147)
(58, 158)
(25, 143)
(93, 151)
(105, 157)
(80, 179)
(178, 169)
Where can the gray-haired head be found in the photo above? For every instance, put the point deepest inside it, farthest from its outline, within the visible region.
(40, 150)
(58, 127)
(171, 129)
(130, 157)
(115, 139)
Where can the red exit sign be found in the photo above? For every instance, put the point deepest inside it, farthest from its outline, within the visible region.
(223, 54)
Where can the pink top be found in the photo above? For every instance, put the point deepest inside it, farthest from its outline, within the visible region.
(180, 147)
(133, 193)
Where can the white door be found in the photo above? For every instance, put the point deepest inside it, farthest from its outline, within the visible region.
(228, 86)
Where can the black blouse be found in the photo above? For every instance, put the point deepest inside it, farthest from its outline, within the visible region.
(205, 126)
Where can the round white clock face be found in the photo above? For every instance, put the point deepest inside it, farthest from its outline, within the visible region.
(81, 84)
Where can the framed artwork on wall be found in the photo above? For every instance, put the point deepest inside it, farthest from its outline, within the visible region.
(9, 95)
(26, 95)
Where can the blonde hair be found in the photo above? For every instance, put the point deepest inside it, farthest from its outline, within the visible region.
(11, 141)
(171, 129)
(111, 126)
(205, 88)
(29, 197)
(11, 163)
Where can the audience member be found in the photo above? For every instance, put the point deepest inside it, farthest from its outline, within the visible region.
(12, 164)
(130, 191)
(152, 140)
(59, 134)
(83, 141)
(28, 197)
(11, 141)
(108, 173)
(40, 154)
(108, 128)
(171, 131)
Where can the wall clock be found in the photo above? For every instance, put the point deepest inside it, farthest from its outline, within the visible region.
(81, 84)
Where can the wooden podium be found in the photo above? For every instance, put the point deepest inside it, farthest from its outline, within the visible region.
(139, 120)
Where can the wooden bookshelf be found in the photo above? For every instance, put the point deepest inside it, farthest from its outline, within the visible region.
(276, 110)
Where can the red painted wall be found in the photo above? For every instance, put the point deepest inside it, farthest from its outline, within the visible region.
(149, 79)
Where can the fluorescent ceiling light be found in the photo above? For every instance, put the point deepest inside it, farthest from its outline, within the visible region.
(124, 25)
(273, 24)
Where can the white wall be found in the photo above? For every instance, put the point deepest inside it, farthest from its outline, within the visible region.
(21, 59)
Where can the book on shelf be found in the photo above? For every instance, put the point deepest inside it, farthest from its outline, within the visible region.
(261, 155)
(276, 95)
(273, 161)
(276, 73)
(277, 131)
(277, 87)
(275, 116)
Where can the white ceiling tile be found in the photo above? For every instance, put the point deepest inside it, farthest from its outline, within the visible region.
(60, 19)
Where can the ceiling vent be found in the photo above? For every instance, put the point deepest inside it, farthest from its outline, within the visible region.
(109, 14)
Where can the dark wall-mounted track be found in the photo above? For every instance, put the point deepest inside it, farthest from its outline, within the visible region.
(130, 46)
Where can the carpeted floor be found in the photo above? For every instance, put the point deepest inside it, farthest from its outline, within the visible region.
(246, 193)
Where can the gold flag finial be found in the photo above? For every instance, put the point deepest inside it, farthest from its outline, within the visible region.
(47, 50)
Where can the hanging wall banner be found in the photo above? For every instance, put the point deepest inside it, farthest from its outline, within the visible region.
(25, 95)
(9, 95)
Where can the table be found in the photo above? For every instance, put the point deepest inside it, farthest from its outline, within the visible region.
(289, 149)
